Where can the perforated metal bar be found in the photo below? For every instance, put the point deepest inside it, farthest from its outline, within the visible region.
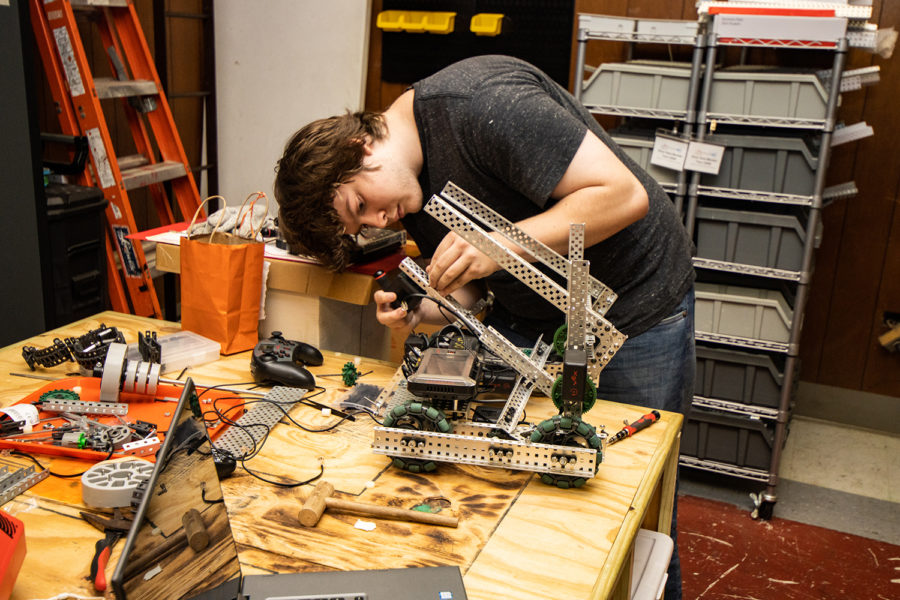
(518, 398)
(485, 451)
(420, 278)
(255, 424)
(607, 339)
(578, 310)
(465, 201)
(441, 210)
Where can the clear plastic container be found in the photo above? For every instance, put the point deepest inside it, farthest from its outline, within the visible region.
(180, 350)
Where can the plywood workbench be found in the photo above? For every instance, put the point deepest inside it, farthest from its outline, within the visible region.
(517, 537)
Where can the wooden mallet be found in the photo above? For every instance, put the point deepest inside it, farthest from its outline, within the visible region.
(320, 499)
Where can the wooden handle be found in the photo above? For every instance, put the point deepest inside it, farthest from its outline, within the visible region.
(390, 512)
(197, 536)
(314, 506)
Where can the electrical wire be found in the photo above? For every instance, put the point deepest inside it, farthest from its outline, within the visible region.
(49, 472)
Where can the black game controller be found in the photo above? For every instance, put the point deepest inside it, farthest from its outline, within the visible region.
(280, 360)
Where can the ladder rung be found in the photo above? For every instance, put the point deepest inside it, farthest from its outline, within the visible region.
(108, 87)
(89, 3)
(156, 173)
(132, 161)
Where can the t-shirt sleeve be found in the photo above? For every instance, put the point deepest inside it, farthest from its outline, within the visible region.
(520, 134)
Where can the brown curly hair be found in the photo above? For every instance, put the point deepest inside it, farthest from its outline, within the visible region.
(317, 159)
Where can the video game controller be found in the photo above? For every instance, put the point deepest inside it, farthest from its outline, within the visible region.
(281, 361)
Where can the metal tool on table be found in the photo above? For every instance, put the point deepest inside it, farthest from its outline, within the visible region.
(320, 499)
(629, 430)
(113, 528)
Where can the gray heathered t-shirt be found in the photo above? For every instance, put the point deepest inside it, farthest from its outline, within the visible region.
(504, 132)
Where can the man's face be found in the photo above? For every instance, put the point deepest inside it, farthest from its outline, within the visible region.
(379, 195)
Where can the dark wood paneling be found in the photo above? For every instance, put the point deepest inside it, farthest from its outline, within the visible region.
(857, 260)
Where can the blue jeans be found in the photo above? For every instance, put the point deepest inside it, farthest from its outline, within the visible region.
(654, 369)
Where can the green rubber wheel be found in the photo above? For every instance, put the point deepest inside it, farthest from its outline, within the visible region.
(590, 394)
(567, 431)
(416, 416)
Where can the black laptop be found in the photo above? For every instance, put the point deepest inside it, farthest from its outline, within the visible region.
(158, 561)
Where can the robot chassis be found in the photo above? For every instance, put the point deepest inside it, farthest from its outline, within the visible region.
(564, 449)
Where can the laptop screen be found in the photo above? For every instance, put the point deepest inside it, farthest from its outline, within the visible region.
(180, 545)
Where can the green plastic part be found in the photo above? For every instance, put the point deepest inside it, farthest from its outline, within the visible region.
(584, 430)
(559, 339)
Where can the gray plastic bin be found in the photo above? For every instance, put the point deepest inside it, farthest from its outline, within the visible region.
(768, 94)
(727, 438)
(782, 165)
(754, 93)
(750, 238)
(742, 312)
(639, 148)
(743, 377)
(639, 85)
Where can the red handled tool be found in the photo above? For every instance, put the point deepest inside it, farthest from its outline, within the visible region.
(113, 529)
(629, 430)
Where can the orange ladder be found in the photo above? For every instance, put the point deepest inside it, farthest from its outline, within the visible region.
(77, 96)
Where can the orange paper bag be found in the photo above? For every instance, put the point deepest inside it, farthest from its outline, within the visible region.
(221, 286)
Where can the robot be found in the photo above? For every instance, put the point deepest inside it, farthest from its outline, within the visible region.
(439, 407)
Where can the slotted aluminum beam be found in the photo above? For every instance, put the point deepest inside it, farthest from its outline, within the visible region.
(607, 339)
(603, 296)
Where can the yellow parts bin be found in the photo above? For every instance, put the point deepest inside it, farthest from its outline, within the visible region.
(416, 21)
(486, 24)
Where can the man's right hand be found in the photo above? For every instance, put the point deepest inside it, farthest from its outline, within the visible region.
(395, 318)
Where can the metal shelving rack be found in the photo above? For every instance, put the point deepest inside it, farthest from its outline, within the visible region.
(623, 29)
(765, 500)
(697, 120)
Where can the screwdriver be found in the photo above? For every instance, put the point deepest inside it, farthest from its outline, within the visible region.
(629, 430)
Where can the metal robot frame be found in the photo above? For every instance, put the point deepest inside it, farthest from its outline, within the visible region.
(565, 449)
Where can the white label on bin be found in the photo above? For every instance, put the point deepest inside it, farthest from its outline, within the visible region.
(67, 55)
(703, 157)
(669, 153)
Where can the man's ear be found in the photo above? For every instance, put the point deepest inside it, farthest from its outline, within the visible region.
(365, 142)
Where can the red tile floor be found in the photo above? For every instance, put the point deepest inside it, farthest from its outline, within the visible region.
(726, 555)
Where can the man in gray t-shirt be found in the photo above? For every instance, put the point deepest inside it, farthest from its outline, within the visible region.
(504, 132)
(507, 134)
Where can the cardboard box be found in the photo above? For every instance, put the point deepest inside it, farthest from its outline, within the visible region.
(292, 276)
(309, 303)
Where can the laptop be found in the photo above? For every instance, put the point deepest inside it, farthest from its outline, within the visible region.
(168, 556)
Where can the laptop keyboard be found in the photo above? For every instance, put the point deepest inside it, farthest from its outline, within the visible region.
(355, 596)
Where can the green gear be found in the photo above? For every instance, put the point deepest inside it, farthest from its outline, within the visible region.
(68, 395)
(559, 339)
(590, 394)
(566, 431)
